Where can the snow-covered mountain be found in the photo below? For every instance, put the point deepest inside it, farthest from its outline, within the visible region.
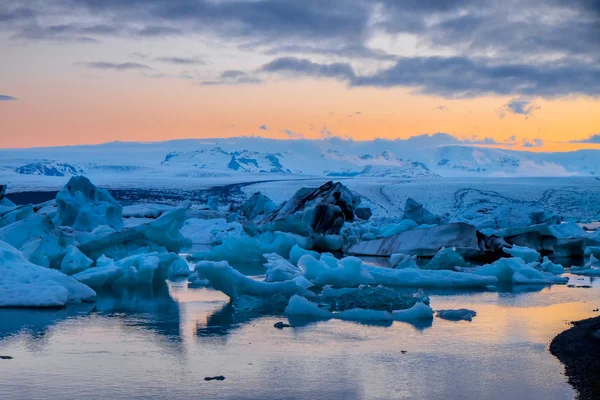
(481, 161)
(418, 157)
(218, 159)
(49, 168)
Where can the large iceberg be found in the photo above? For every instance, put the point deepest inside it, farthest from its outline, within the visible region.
(84, 206)
(423, 242)
(314, 211)
(24, 284)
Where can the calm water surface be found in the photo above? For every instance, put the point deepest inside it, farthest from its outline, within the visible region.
(161, 343)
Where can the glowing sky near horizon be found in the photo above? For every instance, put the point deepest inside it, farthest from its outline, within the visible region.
(519, 74)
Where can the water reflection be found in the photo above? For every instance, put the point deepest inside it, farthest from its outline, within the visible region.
(166, 338)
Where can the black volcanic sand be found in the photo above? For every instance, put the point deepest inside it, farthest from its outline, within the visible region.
(579, 350)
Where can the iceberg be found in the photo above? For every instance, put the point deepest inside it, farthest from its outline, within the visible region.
(373, 297)
(400, 261)
(83, 206)
(446, 258)
(549, 266)
(250, 250)
(299, 305)
(75, 261)
(415, 211)
(423, 242)
(525, 253)
(591, 268)
(257, 205)
(347, 272)
(351, 272)
(278, 269)
(24, 284)
(297, 252)
(210, 231)
(179, 267)
(235, 284)
(322, 211)
(456, 315)
(517, 271)
(100, 276)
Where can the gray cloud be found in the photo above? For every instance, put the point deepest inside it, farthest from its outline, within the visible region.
(263, 128)
(4, 97)
(519, 106)
(181, 60)
(534, 143)
(438, 76)
(304, 67)
(355, 51)
(592, 139)
(126, 66)
(544, 48)
(293, 135)
(234, 77)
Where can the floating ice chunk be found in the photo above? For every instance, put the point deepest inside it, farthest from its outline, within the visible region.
(415, 211)
(549, 266)
(348, 272)
(368, 236)
(297, 252)
(166, 230)
(401, 261)
(517, 271)
(321, 210)
(100, 276)
(446, 258)
(417, 312)
(258, 204)
(210, 231)
(40, 240)
(75, 261)
(423, 242)
(84, 206)
(525, 253)
(410, 277)
(591, 268)
(394, 229)
(566, 230)
(372, 297)
(234, 284)
(213, 203)
(138, 269)
(24, 284)
(592, 251)
(179, 267)
(37, 252)
(251, 249)
(456, 315)
(299, 305)
(145, 210)
(278, 269)
(328, 242)
(12, 214)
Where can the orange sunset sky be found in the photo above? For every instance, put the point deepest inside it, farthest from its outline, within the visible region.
(76, 73)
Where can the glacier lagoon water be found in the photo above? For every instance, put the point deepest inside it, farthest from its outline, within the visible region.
(162, 342)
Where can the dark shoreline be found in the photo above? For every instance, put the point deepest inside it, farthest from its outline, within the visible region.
(579, 351)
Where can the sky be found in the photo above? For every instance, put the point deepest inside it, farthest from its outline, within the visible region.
(523, 74)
